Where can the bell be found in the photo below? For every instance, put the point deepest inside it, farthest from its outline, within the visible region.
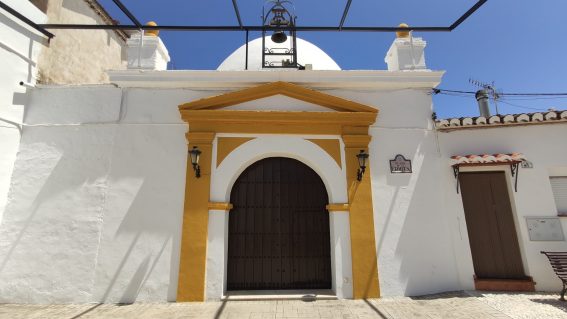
(279, 37)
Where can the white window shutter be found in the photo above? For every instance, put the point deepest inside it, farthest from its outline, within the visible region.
(559, 187)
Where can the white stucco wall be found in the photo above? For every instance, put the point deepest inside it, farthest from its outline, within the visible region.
(20, 46)
(97, 198)
(543, 145)
(101, 173)
(98, 189)
(412, 236)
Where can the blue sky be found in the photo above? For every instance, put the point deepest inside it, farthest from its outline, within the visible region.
(521, 45)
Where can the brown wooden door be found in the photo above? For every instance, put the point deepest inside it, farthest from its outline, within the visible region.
(279, 228)
(490, 225)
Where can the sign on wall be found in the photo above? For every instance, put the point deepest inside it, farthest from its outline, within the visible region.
(400, 165)
(527, 164)
(545, 229)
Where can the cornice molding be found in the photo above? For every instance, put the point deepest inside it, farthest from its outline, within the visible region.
(223, 80)
(277, 88)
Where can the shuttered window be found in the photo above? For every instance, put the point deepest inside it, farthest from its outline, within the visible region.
(559, 186)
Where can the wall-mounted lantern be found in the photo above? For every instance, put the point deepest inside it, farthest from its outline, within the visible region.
(195, 154)
(362, 157)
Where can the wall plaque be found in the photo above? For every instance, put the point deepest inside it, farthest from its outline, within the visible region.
(544, 229)
(400, 165)
(527, 164)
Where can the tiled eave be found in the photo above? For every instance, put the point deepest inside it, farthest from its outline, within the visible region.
(477, 159)
(479, 122)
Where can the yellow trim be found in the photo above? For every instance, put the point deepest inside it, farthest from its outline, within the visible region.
(332, 147)
(220, 206)
(277, 122)
(363, 244)
(275, 88)
(198, 138)
(277, 117)
(360, 141)
(192, 265)
(351, 122)
(338, 208)
(225, 145)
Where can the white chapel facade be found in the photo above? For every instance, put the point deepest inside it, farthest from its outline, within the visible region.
(106, 203)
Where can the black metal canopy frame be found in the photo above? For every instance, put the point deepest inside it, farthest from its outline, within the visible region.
(514, 170)
(240, 27)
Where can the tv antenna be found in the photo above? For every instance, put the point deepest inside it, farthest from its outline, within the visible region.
(490, 88)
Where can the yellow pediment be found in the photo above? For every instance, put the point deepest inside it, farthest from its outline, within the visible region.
(277, 88)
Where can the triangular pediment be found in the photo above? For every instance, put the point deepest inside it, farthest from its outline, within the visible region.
(278, 102)
(245, 98)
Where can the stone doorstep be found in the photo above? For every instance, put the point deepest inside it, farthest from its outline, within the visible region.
(259, 295)
(527, 284)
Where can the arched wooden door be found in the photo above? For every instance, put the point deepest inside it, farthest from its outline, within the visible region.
(279, 228)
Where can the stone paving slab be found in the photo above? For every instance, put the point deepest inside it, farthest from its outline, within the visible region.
(457, 305)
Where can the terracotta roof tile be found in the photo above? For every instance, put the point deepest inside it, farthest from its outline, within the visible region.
(502, 120)
(487, 158)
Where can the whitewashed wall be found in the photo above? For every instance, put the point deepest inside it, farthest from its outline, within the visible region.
(97, 198)
(546, 147)
(413, 240)
(20, 46)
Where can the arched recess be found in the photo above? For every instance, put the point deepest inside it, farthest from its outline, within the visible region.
(278, 234)
(222, 182)
(224, 176)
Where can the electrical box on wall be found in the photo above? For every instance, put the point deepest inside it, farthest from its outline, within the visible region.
(545, 229)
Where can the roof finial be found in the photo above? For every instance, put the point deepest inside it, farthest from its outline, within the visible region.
(403, 34)
(153, 33)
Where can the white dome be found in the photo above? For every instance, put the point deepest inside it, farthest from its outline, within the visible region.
(307, 53)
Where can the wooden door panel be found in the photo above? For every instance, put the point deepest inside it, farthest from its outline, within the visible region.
(279, 228)
(510, 251)
(490, 225)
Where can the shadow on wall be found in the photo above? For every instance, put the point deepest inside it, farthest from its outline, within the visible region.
(96, 219)
(425, 249)
(34, 39)
(51, 224)
(139, 246)
(20, 217)
(414, 224)
(141, 257)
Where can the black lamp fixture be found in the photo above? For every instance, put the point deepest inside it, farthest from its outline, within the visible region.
(362, 157)
(195, 154)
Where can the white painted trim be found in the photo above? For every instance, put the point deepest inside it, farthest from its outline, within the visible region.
(224, 177)
(355, 79)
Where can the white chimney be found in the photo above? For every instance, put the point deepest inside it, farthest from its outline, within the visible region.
(406, 53)
(147, 52)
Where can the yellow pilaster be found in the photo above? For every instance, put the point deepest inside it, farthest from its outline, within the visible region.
(363, 244)
(192, 266)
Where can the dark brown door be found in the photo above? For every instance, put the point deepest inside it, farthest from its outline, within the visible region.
(279, 228)
(490, 224)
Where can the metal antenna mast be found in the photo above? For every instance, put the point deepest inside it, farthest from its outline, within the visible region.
(491, 89)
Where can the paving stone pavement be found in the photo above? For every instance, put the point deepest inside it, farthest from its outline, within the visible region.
(456, 305)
